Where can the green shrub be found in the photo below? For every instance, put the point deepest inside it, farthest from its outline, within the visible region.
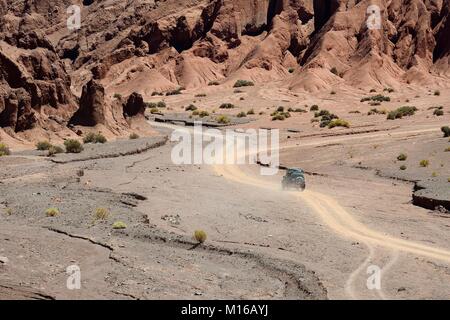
(4, 150)
(73, 146)
(94, 138)
(54, 150)
(52, 212)
(243, 83)
(174, 92)
(376, 98)
(191, 107)
(241, 114)
(402, 157)
(314, 107)
(43, 145)
(223, 119)
(401, 112)
(117, 96)
(424, 163)
(161, 104)
(338, 123)
(446, 131)
(200, 236)
(227, 106)
(134, 136)
(203, 114)
(119, 225)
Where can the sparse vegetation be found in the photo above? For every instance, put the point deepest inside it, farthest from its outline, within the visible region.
(203, 114)
(117, 96)
(213, 83)
(227, 106)
(424, 163)
(92, 137)
(314, 107)
(191, 107)
(377, 98)
(437, 93)
(43, 145)
(402, 157)
(54, 150)
(447, 149)
(401, 112)
(243, 83)
(445, 130)
(434, 174)
(174, 92)
(241, 114)
(119, 225)
(280, 109)
(200, 95)
(250, 112)
(154, 110)
(161, 104)
(338, 123)
(376, 111)
(4, 150)
(52, 212)
(223, 119)
(200, 236)
(134, 136)
(157, 93)
(291, 70)
(101, 214)
(438, 112)
(390, 90)
(73, 146)
(403, 167)
(372, 90)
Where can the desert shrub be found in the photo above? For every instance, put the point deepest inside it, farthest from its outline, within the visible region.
(134, 136)
(54, 150)
(161, 104)
(437, 93)
(446, 131)
(333, 92)
(403, 167)
(94, 138)
(174, 92)
(195, 112)
(73, 146)
(280, 109)
(434, 174)
(157, 93)
(223, 119)
(291, 70)
(355, 111)
(154, 110)
(200, 95)
(402, 157)
(151, 105)
(338, 123)
(227, 106)
(213, 83)
(43, 145)
(376, 98)
(241, 114)
(376, 111)
(401, 112)
(191, 107)
(200, 236)
(101, 214)
(203, 114)
(424, 163)
(314, 120)
(243, 83)
(118, 225)
(438, 112)
(290, 109)
(334, 71)
(322, 113)
(52, 212)
(117, 96)
(372, 90)
(250, 112)
(390, 90)
(279, 117)
(314, 107)
(4, 150)
(299, 110)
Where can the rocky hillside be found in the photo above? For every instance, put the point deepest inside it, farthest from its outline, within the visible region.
(154, 45)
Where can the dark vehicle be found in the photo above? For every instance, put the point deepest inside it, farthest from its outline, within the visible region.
(294, 178)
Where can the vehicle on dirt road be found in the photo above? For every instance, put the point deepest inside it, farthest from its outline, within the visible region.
(294, 178)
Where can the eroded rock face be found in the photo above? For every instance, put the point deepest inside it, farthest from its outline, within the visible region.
(92, 110)
(134, 106)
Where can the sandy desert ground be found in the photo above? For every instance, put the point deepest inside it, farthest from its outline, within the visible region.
(263, 242)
